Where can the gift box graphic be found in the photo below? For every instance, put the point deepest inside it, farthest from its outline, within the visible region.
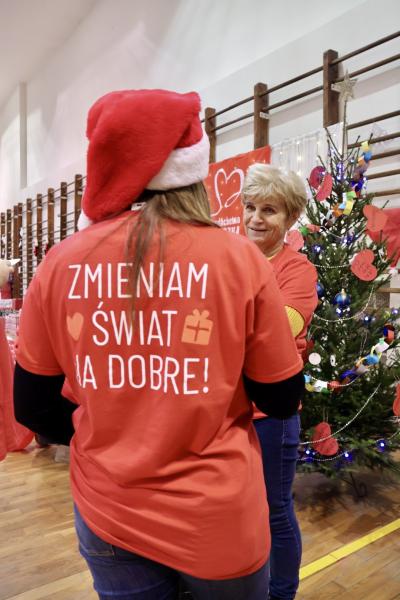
(197, 328)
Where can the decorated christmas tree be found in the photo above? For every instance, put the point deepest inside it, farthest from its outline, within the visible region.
(352, 364)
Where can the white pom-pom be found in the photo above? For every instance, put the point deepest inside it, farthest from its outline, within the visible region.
(84, 221)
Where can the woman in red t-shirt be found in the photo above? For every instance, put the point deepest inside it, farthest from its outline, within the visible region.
(272, 202)
(158, 318)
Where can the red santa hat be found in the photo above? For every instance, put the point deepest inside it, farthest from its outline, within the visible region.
(141, 139)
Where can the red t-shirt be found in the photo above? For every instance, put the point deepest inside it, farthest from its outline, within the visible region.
(165, 461)
(297, 280)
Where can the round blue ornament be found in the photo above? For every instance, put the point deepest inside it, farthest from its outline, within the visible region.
(320, 290)
(342, 299)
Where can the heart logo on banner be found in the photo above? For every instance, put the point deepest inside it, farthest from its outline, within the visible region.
(74, 325)
(362, 266)
(376, 218)
(227, 188)
(295, 239)
(327, 447)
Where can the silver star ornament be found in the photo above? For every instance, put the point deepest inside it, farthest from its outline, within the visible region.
(345, 87)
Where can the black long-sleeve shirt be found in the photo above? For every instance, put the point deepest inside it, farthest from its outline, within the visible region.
(40, 406)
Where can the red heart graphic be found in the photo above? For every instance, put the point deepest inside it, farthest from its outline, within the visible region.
(325, 188)
(74, 325)
(227, 188)
(362, 266)
(295, 239)
(328, 447)
(376, 218)
(396, 403)
(316, 177)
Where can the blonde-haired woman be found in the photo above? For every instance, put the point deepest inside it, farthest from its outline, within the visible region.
(273, 200)
(165, 469)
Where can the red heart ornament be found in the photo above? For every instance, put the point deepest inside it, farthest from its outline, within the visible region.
(396, 403)
(316, 177)
(333, 385)
(362, 265)
(376, 218)
(295, 239)
(325, 188)
(328, 447)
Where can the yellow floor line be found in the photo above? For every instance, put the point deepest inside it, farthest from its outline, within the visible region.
(332, 557)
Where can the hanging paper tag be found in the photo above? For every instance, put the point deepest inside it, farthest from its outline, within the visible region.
(376, 218)
(381, 346)
(361, 369)
(337, 211)
(371, 359)
(348, 207)
(316, 176)
(295, 239)
(320, 385)
(362, 266)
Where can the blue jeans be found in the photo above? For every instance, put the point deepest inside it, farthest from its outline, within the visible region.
(279, 440)
(122, 575)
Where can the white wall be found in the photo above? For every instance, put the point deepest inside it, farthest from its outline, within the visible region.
(218, 47)
(375, 92)
(10, 152)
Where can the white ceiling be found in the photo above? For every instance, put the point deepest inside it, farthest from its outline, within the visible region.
(30, 31)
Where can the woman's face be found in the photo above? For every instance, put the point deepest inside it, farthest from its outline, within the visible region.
(266, 223)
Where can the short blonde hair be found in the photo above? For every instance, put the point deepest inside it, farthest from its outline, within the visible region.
(268, 181)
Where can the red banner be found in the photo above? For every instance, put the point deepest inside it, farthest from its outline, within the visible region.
(224, 186)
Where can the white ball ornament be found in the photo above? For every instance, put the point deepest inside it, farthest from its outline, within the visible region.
(314, 358)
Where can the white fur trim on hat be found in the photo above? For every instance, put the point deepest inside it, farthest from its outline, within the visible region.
(84, 221)
(184, 166)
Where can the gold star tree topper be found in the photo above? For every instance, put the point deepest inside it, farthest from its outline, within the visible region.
(345, 87)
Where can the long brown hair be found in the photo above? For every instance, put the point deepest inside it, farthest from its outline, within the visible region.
(186, 205)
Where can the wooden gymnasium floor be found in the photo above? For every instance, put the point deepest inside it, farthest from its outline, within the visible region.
(39, 559)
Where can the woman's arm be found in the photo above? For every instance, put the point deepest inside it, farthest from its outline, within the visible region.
(281, 399)
(39, 405)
